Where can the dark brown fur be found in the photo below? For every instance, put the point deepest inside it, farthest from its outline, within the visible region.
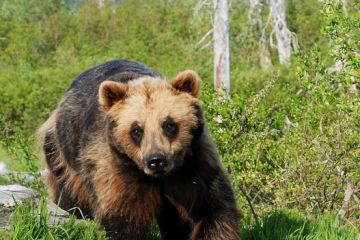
(96, 166)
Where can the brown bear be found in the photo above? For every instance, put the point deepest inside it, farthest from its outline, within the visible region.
(131, 149)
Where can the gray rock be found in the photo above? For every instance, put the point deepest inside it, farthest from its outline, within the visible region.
(4, 169)
(10, 195)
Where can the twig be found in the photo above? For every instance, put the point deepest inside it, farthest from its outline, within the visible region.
(205, 36)
(250, 205)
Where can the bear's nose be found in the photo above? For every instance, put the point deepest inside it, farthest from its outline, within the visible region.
(156, 162)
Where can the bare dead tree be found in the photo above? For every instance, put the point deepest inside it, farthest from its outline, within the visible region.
(345, 4)
(99, 3)
(286, 40)
(221, 45)
(255, 18)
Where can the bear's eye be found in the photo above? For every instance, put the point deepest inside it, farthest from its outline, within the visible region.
(136, 133)
(170, 128)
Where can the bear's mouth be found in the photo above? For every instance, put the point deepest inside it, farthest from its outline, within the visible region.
(157, 173)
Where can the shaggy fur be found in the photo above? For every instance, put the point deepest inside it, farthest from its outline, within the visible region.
(99, 142)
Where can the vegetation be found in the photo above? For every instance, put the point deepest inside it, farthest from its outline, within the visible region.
(288, 136)
(39, 229)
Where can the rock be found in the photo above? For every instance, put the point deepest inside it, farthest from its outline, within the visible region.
(4, 169)
(11, 195)
(57, 215)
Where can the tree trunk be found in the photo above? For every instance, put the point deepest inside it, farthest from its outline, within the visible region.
(345, 6)
(221, 45)
(255, 13)
(282, 33)
(255, 17)
(99, 3)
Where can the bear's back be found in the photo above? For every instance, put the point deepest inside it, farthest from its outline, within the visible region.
(116, 70)
(78, 116)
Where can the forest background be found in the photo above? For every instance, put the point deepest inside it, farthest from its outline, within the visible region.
(288, 134)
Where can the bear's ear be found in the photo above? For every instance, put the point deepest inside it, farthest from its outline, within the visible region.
(187, 81)
(111, 92)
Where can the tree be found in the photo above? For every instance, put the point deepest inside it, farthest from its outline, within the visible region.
(221, 45)
(99, 3)
(345, 4)
(255, 18)
(286, 40)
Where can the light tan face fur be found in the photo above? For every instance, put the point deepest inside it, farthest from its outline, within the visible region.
(149, 103)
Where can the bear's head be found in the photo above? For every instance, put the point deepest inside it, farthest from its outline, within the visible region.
(152, 121)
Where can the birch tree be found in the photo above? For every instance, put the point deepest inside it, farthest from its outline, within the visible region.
(255, 18)
(221, 45)
(286, 40)
(345, 4)
(99, 3)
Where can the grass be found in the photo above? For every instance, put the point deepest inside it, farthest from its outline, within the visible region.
(292, 225)
(29, 221)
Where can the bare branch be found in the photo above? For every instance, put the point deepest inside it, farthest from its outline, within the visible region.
(345, 206)
(205, 36)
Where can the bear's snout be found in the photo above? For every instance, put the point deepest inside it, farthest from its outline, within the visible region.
(157, 164)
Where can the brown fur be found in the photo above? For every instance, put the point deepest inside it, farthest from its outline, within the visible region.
(96, 165)
(112, 188)
(221, 230)
(164, 101)
(187, 81)
(50, 180)
(71, 180)
(181, 209)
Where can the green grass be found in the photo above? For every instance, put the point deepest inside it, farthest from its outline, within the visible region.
(287, 224)
(292, 225)
(29, 221)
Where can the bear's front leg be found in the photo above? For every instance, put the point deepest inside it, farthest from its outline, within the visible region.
(208, 203)
(120, 228)
(220, 228)
(171, 224)
(217, 216)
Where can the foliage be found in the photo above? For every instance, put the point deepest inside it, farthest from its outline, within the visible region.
(295, 143)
